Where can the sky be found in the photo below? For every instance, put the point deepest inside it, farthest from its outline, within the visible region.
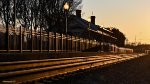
(132, 17)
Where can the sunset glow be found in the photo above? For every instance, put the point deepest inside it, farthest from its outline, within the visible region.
(132, 17)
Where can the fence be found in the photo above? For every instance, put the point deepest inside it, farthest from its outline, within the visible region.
(25, 40)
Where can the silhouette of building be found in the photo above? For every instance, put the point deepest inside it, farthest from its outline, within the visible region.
(82, 28)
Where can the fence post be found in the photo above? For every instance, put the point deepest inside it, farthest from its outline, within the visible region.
(20, 39)
(48, 41)
(84, 44)
(50, 36)
(31, 40)
(62, 41)
(40, 39)
(80, 44)
(71, 43)
(75, 43)
(66, 42)
(89, 42)
(55, 44)
(84, 40)
(7, 37)
(14, 39)
(82, 48)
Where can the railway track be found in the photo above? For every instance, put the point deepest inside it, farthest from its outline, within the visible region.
(34, 70)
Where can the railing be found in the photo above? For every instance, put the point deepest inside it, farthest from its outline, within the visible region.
(25, 40)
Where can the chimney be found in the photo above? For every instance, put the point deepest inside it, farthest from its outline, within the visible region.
(78, 13)
(93, 19)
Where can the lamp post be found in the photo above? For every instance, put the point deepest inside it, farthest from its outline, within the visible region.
(66, 8)
(89, 20)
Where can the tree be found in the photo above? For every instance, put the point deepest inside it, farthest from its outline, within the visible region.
(48, 14)
(6, 16)
(54, 13)
(44, 13)
(120, 37)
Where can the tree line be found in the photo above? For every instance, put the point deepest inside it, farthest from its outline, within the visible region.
(46, 14)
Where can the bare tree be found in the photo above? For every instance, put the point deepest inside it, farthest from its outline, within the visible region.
(6, 17)
(48, 14)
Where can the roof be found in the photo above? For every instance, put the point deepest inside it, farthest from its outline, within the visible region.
(83, 23)
(80, 27)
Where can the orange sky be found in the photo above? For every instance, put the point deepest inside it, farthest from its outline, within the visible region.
(132, 17)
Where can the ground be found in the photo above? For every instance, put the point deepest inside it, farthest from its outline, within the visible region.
(135, 71)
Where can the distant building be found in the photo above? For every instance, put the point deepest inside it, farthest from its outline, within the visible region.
(81, 27)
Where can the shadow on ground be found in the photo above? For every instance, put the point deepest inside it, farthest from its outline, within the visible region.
(135, 71)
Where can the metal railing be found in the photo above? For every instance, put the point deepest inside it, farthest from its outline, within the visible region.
(25, 40)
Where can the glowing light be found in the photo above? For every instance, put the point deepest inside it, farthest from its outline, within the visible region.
(66, 6)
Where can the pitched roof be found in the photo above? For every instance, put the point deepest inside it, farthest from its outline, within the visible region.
(85, 24)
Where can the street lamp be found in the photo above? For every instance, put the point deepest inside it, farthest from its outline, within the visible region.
(66, 8)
